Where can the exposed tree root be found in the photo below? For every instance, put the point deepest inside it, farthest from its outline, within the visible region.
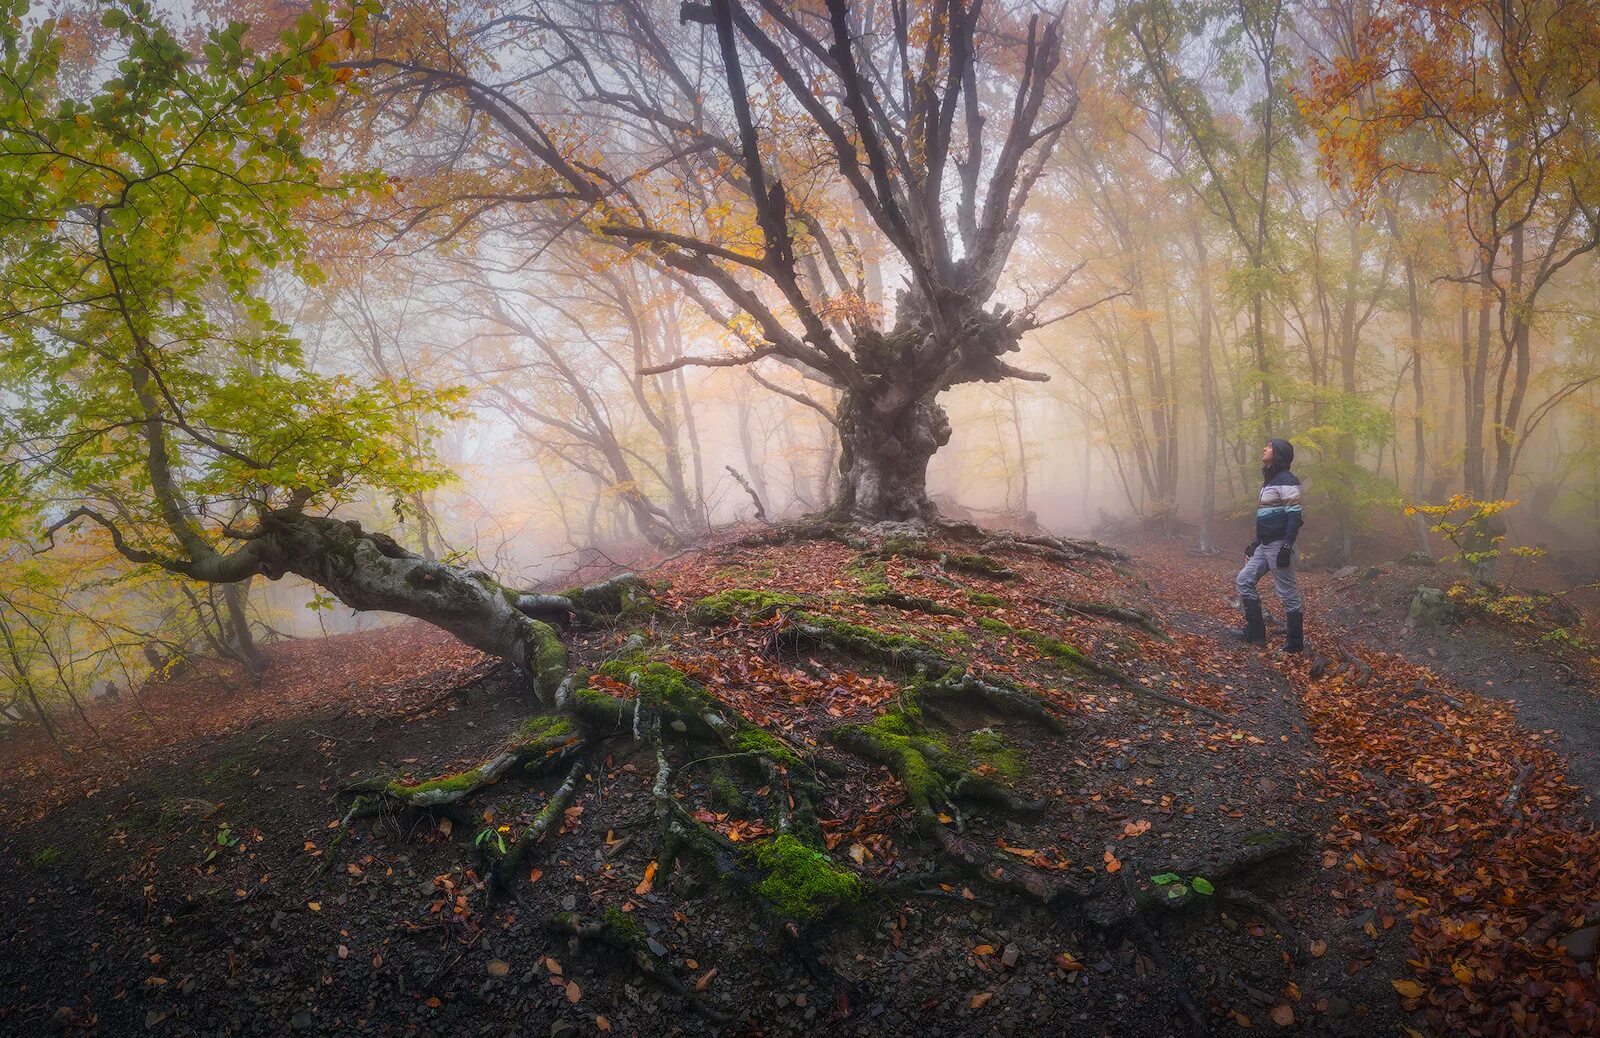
(540, 738)
(1264, 908)
(622, 932)
(896, 652)
(1183, 704)
(1072, 548)
(687, 708)
(740, 605)
(510, 864)
(937, 779)
(1000, 695)
(1221, 864)
(953, 562)
(910, 603)
(1198, 1025)
(620, 597)
(1126, 614)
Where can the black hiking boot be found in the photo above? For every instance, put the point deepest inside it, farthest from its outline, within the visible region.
(1295, 642)
(1254, 630)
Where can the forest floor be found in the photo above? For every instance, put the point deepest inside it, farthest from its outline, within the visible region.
(1363, 840)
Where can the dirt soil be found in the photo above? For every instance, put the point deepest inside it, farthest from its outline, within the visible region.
(190, 874)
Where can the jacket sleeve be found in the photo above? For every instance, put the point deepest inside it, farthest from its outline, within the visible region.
(1293, 517)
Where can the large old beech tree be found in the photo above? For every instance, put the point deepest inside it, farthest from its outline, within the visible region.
(780, 161)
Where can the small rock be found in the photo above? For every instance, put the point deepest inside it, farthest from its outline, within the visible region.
(1416, 558)
(1008, 957)
(563, 1029)
(301, 1021)
(1582, 944)
(1344, 571)
(1430, 607)
(569, 903)
(657, 949)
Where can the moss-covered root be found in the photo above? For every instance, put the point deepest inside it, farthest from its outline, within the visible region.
(884, 595)
(1139, 618)
(934, 777)
(955, 562)
(896, 651)
(802, 883)
(509, 867)
(666, 692)
(540, 740)
(623, 597)
(740, 605)
(920, 759)
(620, 931)
(998, 694)
(545, 658)
(991, 540)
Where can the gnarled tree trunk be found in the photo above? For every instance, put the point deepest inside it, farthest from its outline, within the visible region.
(372, 571)
(887, 436)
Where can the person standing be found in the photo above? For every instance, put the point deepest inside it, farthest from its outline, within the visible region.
(1278, 522)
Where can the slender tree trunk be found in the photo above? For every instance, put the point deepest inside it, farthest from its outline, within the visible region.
(755, 467)
(1208, 392)
(20, 668)
(1164, 474)
(1477, 378)
(1418, 426)
(236, 597)
(691, 428)
(1519, 360)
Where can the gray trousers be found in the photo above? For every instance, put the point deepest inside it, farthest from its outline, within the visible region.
(1256, 567)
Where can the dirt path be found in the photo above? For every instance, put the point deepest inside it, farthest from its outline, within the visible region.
(1558, 705)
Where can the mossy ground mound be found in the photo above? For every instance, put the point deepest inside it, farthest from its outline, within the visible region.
(739, 815)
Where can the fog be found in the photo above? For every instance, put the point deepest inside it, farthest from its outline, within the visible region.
(609, 291)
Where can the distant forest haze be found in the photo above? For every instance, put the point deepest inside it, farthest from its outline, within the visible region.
(502, 285)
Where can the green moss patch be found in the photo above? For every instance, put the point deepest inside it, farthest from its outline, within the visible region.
(987, 746)
(1052, 647)
(754, 740)
(801, 882)
(725, 793)
(545, 728)
(979, 566)
(955, 562)
(460, 782)
(740, 604)
(980, 598)
(898, 740)
(547, 658)
(624, 597)
(662, 686)
(622, 927)
(887, 641)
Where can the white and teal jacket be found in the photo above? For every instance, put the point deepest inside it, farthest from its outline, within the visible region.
(1278, 516)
